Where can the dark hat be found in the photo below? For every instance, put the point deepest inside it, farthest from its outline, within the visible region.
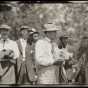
(25, 28)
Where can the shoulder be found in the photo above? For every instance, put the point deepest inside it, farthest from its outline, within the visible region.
(40, 41)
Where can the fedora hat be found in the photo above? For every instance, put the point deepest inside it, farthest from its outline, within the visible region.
(25, 28)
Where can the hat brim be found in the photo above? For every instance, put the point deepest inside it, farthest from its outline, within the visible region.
(49, 30)
(25, 29)
(31, 33)
(4, 29)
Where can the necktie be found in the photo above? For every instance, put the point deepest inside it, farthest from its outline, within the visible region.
(4, 43)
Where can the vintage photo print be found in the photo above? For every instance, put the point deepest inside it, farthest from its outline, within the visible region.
(43, 44)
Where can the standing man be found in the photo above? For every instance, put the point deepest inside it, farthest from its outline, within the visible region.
(25, 61)
(9, 52)
(45, 57)
(81, 56)
(35, 36)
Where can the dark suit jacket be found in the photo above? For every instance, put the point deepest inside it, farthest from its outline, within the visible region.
(28, 65)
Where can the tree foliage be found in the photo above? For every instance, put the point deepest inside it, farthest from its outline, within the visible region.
(36, 15)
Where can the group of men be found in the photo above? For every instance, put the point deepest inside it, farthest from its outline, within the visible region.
(32, 58)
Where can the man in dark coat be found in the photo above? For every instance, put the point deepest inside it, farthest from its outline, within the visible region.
(82, 57)
(25, 65)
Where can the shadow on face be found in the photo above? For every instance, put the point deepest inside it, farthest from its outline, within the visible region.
(4, 34)
(51, 34)
(25, 34)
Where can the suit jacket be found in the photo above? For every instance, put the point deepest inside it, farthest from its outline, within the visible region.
(28, 65)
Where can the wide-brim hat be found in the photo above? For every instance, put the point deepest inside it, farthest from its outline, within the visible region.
(5, 27)
(51, 27)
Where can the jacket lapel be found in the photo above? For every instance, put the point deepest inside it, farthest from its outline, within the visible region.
(19, 46)
(27, 50)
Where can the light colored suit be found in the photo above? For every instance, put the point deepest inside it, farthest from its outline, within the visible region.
(8, 70)
(44, 60)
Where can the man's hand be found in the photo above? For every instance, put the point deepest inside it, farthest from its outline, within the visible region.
(13, 61)
(7, 52)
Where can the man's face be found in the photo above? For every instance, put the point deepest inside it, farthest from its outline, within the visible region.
(25, 34)
(65, 40)
(4, 34)
(51, 35)
(35, 36)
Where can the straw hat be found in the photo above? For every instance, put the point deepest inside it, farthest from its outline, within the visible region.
(5, 27)
(51, 27)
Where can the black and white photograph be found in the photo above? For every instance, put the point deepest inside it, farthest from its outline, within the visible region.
(43, 44)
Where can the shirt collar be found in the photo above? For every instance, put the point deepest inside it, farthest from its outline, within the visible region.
(22, 39)
(7, 40)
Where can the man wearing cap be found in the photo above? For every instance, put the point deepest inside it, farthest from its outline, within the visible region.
(25, 62)
(45, 57)
(34, 37)
(9, 52)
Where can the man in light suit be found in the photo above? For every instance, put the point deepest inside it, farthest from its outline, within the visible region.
(9, 52)
(45, 57)
(25, 65)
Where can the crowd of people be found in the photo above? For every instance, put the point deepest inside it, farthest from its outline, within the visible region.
(37, 57)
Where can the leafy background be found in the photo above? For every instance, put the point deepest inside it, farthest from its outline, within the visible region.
(70, 17)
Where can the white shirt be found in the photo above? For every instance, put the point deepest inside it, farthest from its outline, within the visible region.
(10, 45)
(24, 44)
(43, 52)
(63, 54)
(44, 55)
